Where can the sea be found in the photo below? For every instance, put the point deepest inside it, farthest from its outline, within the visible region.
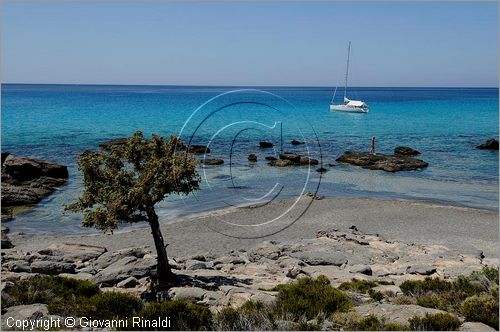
(60, 122)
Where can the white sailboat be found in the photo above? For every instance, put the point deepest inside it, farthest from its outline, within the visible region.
(352, 106)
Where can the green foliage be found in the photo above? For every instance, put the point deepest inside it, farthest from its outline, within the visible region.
(352, 321)
(108, 305)
(356, 285)
(122, 185)
(375, 295)
(250, 316)
(435, 322)
(309, 297)
(453, 295)
(49, 289)
(483, 308)
(491, 273)
(183, 315)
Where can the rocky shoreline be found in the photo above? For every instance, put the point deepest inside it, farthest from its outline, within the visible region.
(26, 181)
(236, 276)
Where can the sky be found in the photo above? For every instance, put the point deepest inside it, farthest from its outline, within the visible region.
(251, 44)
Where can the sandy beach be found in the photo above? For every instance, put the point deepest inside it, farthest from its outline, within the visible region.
(462, 229)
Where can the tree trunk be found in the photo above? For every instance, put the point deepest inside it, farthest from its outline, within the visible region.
(165, 276)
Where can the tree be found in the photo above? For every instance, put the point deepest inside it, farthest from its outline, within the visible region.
(124, 184)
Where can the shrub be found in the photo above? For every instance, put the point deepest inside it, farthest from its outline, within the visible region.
(404, 299)
(59, 293)
(442, 294)
(491, 273)
(108, 305)
(352, 321)
(369, 323)
(435, 322)
(309, 297)
(376, 295)
(252, 315)
(482, 309)
(356, 285)
(183, 315)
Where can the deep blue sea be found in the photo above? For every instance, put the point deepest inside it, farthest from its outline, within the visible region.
(59, 122)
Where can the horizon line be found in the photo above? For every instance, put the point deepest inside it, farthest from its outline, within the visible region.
(252, 86)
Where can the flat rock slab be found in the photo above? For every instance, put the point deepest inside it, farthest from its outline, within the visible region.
(124, 268)
(25, 312)
(388, 163)
(187, 293)
(73, 252)
(395, 313)
(51, 267)
(336, 258)
(474, 326)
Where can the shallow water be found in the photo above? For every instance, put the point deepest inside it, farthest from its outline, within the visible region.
(58, 122)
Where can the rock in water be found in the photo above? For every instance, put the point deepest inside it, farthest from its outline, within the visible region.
(308, 161)
(491, 144)
(383, 162)
(294, 158)
(25, 181)
(198, 149)
(266, 144)
(212, 162)
(406, 151)
(281, 163)
(115, 142)
(295, 142)
(252, 157)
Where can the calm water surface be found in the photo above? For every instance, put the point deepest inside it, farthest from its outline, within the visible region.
(59, 122)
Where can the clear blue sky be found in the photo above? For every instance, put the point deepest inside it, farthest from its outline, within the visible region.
(303, 44)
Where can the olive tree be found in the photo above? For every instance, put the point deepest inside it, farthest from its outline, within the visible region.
(124, 185)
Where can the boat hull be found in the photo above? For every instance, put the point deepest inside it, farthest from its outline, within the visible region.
(344, 108)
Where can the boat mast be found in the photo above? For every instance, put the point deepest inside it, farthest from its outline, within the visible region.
(347, 70)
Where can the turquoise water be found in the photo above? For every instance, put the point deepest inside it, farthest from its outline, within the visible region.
(59, 122)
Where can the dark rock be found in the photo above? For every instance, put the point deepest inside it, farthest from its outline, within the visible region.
(406, 151)
(295, 142)
(51, 267)
(22, 169)
(4, 156)
(321, 170)
(25, 181)
(195, 265)
(252, 157)
(6, 243)
(321, 258)
(266, 144)
(198, 149)
(130, 282)
(421, 269)
(271, 158)
(308, 161)
(294, 158)
(383, 162)
(115, 142)
(361, 268)
(281, 163)
(212, 162)
(491, 144)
